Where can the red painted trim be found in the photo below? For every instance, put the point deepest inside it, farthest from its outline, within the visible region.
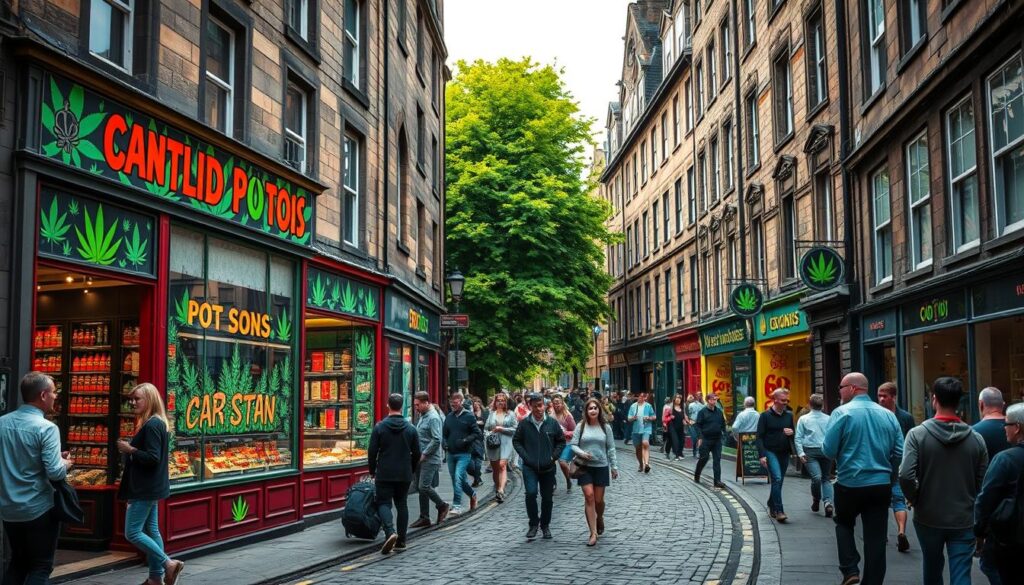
(301, 443)
(158, 335)
(334, 265)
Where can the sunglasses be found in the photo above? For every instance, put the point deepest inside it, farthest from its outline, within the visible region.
(1010, 424)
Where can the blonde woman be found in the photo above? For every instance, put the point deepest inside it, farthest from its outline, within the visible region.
(502, 423)
(561, 414)
(145, 482)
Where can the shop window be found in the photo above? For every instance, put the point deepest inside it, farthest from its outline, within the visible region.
(962, 154)
(230, 373)
(919, 195)
(351, 182)
(999, 357)
(881, 217)
(930, 356)
(1006, 126)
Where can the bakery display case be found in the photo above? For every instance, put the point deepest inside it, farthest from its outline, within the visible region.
(337, 393)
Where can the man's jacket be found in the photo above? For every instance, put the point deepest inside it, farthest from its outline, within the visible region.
(539, 448)
(460, 431)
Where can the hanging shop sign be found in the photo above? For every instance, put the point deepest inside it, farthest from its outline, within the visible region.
(456, 321)
(404, 316)
(746, 300)
(80, 230)
(821, 268)
(1000, 296)
(781, 321)
(932, 311)
(879, 325)
(733, 336)
(83, 130)
(337, 294)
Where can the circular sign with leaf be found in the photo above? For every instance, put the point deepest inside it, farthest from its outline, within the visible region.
(746, 300)
(821, 268)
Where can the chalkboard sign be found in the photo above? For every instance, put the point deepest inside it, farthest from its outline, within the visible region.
(748, 461)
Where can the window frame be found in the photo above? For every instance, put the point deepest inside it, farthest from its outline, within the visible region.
(875, 59)
(229, 121)
(357, 80)
(666, 220)
(879, 229)
(750, 27)
(998, 188)
(352, 222)
(816, 58)
(725, 36)
(302, 140)
(753, 132)
(913, 14)
(678, 194)
(728, 155)
(691, 196)
(922, 204)
(782, 98)
(787, 245)
(126, 7)
(968, 174)
(712, 70)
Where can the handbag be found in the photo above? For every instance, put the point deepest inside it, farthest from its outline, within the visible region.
(65, 503)
(577, 467)
(493, 441)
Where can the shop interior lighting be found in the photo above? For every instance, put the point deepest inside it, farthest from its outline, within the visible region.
(69, 279)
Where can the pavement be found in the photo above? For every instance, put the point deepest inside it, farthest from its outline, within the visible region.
(660, 528)
(803, 550)
(278, 558)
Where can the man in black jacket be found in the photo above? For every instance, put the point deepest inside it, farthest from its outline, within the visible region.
(710, 426)
(774, 432)
(538, 441)
(392, 459)
(460, 433)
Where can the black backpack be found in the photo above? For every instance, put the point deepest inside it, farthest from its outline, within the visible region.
(1007, 523)
(360, 517)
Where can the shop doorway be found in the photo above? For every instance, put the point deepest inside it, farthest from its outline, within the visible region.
(831, 375)
(91, 336)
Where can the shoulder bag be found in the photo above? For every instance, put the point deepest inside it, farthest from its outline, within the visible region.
(65, 503)
(578, 465)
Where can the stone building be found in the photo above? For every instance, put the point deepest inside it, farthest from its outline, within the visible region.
(224, 198)
(935, 165)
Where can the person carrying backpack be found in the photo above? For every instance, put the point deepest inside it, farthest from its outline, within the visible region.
(999, 508)
(392, 458)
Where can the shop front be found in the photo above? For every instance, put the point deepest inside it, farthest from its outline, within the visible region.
(783, 352)
(173, 256)
(341, 343)
(726, 367)
(664, 357)
(972, 333)
(619, 372)
(686, 349)
(412, 343)
(641, 370)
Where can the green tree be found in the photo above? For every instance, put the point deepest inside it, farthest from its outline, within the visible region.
(522, 224)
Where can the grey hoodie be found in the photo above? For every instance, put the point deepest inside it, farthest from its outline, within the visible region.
(943, 465)
(428, 430)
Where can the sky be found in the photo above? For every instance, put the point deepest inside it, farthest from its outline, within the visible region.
(584, 37)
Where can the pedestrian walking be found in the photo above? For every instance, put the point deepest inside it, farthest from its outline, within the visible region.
(392, 458)
(865, 441)
(628, 428)
(666, 418)
(500, 427)
(746, 420)
(998, 535)
(621, 410)
(990, 427)
(774, 433)
(429, 433)
(887, 393)
(522, 408)
(30, 458)
(641, 420)
(943, 466)
(460, 432)
(145, 482)
(810, 433)
(561, 414)
(538, 440)
(710, 426)
(594, 442)
(694, 405)
(479, 452)
(677, 426)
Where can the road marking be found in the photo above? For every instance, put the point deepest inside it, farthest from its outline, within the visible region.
(351, 567)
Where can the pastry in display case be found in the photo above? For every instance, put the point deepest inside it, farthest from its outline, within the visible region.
(235, 456)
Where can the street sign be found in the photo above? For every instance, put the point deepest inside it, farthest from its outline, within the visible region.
(455, 321)
(456, 359)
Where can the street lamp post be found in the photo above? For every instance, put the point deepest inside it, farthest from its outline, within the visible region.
(597, 376)
(455, 283)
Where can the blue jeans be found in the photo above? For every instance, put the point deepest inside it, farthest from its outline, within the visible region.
(818, 466)
(535, 483)
(693, 439)
(777, 464)
(959, 543)
(458, 466)
(141, 528)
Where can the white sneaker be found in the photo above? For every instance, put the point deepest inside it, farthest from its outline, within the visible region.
(455, 511)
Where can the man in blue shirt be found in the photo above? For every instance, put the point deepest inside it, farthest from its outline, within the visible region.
(30, 458)
(866, 442)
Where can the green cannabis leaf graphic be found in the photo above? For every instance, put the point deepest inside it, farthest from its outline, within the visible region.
(181, 308)
(348, 300)
(335, 296)
(820, 271)
(239, 509)
(73, 208)
(318, 293)
(97, 245)
(746, 300)
(53, 227)
(135, 251)
(370, 307)
(284, 327)
(364, 349)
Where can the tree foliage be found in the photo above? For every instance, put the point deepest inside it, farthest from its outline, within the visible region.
(522, 224)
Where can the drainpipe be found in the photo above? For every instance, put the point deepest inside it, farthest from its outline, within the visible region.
(844, 149)
(386, 135)
(738, 128)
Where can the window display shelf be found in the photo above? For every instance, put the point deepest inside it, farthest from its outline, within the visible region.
(47, 349)
(315, 403)
(73, 415)
(89, 444)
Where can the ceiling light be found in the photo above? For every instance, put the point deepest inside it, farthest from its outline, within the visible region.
(69, 279)
(86, 291)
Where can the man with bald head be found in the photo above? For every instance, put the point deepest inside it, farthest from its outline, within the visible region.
(990, 427)
(866, 442)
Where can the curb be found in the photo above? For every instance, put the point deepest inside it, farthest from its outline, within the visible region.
(374, 545)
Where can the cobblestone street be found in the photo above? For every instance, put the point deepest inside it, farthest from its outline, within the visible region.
(708, 533)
